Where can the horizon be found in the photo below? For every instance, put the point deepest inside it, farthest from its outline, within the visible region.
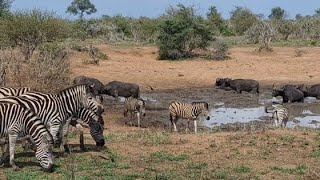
(153, 9)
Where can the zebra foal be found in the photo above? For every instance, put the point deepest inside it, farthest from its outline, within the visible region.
(280, 114)
(188, 111)
(136, 106)
(15, 120)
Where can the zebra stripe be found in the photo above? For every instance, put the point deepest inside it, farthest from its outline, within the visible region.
(55, 109)
(188, 111)
(280, 114)
(95, 124)
(136, 106)
(14, 120)
(7, 91)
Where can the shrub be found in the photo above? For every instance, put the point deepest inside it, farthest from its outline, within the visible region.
(181, 32)
(29, 29)
(220, 51)
(47, 70)
(242, 19)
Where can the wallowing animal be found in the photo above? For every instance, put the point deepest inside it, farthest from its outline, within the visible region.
(289, 93)
(123, 89)
(239, 85)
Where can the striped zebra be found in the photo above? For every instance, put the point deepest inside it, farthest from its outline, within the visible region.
(96, 131)
(55, 109)
(14, 120)
(136, 106)
(188, 111)
(7, 91)
(95, 123)
(279, 114)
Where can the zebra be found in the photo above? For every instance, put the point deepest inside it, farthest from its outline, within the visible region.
(55, 109)
(95, 123)
(134, 106)
(7, 91)
(188, 111)
(96, 132)
(280, 114)
(14, 120)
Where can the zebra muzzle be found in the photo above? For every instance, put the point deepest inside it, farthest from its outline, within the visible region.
(100, 143)
(208, 118)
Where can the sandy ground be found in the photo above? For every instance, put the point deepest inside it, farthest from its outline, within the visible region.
(140, 65)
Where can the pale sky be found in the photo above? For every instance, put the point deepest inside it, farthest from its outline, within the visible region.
(154, 8)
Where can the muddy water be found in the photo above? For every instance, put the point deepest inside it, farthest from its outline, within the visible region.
(228, 108)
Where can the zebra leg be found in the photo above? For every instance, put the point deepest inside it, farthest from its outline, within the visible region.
(65, 131)
(138, 117)
(5, 152)
(188, 125)
(195, 126)
(12, 142)
(80, 130)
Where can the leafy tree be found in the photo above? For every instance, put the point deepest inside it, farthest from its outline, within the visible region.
(80, 7)
(242, 19)
(298, 16)
(277, 13)
(28, 30)
(215, 20)
(284, 27)
(181, 32)
(4, 6)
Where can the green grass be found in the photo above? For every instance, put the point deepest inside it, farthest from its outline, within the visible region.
(242, 169)
(300, 169)
(165, 156)
(143, 137)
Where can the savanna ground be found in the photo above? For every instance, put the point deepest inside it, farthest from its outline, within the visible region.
(153, 152)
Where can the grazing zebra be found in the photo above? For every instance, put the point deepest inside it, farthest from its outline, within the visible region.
(87, 117)
(95, 123)
(134, 106)
(14, 120)
(279, 114)
(7, 91)
(188, 111)
(55, 109)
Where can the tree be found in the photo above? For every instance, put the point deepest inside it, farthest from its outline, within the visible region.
(4, 6)
(298, 16)
(242, 19)
(277, 13)
(80, 7)
(215, 19)
(180, 32)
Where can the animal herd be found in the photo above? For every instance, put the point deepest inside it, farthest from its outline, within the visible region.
(42, 120)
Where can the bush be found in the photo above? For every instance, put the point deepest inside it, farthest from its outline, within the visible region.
(242, 19)
(47, 70)
(29, 29)
(220, 51)
(181, 32)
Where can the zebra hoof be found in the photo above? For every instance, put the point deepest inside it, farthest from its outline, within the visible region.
(66, 149)
(16, 168)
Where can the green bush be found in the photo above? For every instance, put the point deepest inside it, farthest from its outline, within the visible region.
(242, 19)
(181, 32)
(29, 29)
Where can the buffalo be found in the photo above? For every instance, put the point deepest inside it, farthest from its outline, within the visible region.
(95, 83)
(289, 93)
(123, 89)
(313, 91)
(239, 85)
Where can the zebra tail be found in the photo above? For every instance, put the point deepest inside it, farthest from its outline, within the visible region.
(171, 119)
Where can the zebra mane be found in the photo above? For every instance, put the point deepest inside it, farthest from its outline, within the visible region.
(88, 88)
(206, 105)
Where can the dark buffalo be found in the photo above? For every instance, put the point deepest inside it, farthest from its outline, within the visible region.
(289, 93)
(239, 85)
(123, 89)
(95, 83)
(313, 91)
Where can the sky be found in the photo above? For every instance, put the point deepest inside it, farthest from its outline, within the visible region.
(154, 8)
